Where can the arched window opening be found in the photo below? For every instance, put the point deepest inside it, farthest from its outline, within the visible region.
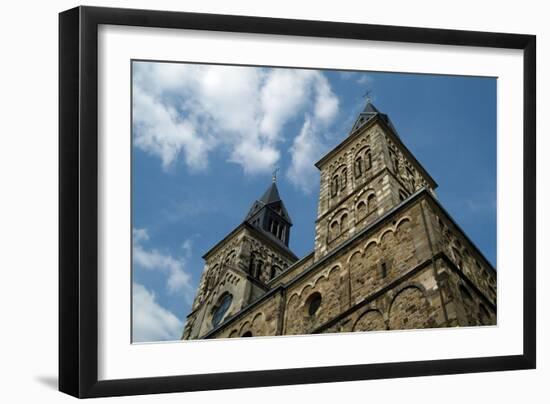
(371, 203)
(247, 334)
(252, 263)
(278, 232)
(368, 160)
(221, 309)
(384, 269)
(358, 167)
(259, 265)
(313, 303)
(466, 295)
(229, 260)
(275, 270)
(344, 178)
(209, 282)
(361, 210)
(334, 230)
(344, 222)
(395, 162)
(334, 186)
(411, 178)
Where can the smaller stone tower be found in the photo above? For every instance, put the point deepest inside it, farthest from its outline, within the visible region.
(239, 267)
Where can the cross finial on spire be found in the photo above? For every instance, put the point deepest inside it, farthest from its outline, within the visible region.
(274, 177)
(367, 95)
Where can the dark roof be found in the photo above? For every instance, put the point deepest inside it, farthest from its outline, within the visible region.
(369, 112)
(271, 194)
(370, 108)
(272, 200)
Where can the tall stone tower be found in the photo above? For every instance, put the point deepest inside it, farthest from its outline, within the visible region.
(366, 175)
(239, 266)
(387, 255)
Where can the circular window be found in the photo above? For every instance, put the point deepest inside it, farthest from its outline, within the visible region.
(222, 308)
(313, 303)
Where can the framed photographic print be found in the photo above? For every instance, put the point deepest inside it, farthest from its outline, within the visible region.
(251, 201)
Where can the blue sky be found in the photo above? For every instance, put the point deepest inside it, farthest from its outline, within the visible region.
(206, 139)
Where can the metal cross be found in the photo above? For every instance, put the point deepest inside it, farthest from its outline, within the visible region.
(367, 95)
(274, 178)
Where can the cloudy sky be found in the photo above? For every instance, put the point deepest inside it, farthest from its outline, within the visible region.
(206, 139)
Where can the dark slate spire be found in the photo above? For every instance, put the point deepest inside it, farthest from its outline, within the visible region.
(269, 214)
(368, 113)
(370, 108)
(271, 195)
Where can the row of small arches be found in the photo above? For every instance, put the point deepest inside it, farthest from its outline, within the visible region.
(249, 328)
(465, 261)
(258, 268)
(341, 219)
(372, 242)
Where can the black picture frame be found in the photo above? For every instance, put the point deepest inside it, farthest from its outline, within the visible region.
(78, 200)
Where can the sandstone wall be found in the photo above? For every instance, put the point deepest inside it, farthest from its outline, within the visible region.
(372, 262)
(292, 272)
(263, 320)
(411, 304)
(465, 256)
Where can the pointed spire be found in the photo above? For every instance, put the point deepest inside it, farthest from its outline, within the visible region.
(368, 113)
(269, 215)
(370, 108)
(271, 194)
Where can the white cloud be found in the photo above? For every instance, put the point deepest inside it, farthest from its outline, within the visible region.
(140, 235)
(151, 321)
(178, 280)
(159, 131)
(364, 79)
(306, 148)
(188, 111)
(326, 103)
(283, 94)
(358, 77)
(309, 146)
(187, 247)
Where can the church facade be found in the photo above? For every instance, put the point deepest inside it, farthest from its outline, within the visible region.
(387, 255)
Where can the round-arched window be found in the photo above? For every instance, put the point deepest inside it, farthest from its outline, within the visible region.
(222, 308)
(247, 334)
(466, 295)
(313, 303)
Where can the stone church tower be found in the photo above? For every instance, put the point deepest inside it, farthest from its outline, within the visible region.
(387, 255)
(239, 267)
